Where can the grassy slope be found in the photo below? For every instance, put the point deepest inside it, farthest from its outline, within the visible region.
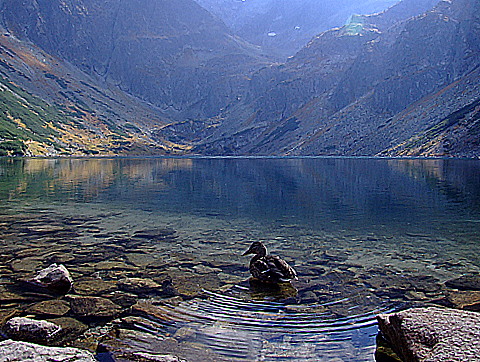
(50, 108)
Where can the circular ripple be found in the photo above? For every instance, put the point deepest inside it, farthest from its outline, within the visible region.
(237, 329)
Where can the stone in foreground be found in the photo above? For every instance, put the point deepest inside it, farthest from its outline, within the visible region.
(433, 334)
(31, 330)
(13, 351)
(55, 278)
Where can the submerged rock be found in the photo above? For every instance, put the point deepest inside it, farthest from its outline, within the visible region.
(31, 330)
(156, 234)
(70, 329)
(50, 307)
(465, 282)
(140, 286)
(55, 278)
(468, 300)
(28, 264)
(83, 306)
(152, 357)
(22, 351)
(433, 334)
(94, 286)
(6, 314)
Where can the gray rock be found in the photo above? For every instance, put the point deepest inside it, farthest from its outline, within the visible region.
(433, 334)
(31, 330)
(55, 278)
(13, 351)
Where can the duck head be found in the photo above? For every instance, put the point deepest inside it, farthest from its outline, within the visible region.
(256, 248)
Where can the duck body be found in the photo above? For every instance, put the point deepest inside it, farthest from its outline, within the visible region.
(269, 268)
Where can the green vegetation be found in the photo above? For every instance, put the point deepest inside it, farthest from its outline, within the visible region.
(31, 126)
(24, 118)
(12, 148)
(355, 25)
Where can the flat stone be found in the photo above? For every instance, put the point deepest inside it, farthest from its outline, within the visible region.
(433, 334)
(86, 306)
(123, 299)
(141, 259)
(113, 265)
(50, 307)
(70, 329)
(139, 285)
(13, 351)
(146, 309)
(6, 314)
(31, 330)
(465, 282)
(94, 286)
(155, 234)
(152, 357)
(203, 269)
(468, 300)
(29, 264)
(191, 285)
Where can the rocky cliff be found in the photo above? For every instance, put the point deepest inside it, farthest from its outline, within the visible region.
(285, 26)
(381, 85)
(156, 77)
(49, 107)
(173, 54)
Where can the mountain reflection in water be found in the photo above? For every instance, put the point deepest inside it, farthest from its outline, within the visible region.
(366, 236)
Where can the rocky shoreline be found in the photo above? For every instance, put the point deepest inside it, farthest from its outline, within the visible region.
(102, 293)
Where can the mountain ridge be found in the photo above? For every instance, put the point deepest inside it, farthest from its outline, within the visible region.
(372, 83)
(404, 82)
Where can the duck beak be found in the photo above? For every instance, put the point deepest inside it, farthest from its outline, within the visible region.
(249, 251)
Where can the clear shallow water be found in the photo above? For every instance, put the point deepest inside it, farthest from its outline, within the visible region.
(365, 235)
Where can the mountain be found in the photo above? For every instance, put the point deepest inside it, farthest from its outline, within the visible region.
(50, 107)
(387, 84)
(113, 71)
(172, 54)
(113, 77)
(285, 26)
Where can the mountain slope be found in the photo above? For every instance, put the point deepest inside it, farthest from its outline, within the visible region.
(173, 54)
(362, 89)
(49, 107)
(285, 26)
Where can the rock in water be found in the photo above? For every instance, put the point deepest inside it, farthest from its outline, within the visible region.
(31, 330)
(433, 334)
(93, 307)
(13, 351)
(55, 278)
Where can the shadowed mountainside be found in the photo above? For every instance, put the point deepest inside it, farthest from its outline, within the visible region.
(366, 88)
(285, 26)
(150, 77)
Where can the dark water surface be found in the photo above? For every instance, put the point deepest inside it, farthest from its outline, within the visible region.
(366, 236)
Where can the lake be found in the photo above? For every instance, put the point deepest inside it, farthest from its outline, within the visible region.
(366, 236)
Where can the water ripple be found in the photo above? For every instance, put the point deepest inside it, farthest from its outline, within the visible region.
(239, 329)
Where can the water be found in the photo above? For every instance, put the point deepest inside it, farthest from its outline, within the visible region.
(366, 236)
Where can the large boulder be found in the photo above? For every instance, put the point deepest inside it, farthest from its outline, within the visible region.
(31, 330)
(433, 334)
(13, 351)
(56, 279)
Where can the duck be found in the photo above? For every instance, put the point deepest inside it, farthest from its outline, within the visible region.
(269, 268)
